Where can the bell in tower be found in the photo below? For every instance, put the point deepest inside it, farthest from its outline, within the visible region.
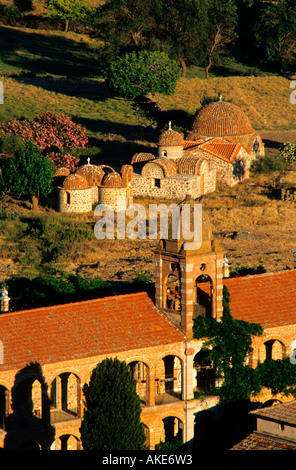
(189, 274)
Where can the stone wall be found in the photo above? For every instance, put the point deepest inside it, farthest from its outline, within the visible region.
(76, 200)
(170, 151)
(174, 187)
(108, 195)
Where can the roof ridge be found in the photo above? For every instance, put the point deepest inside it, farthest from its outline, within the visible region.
(269, 273)
(79, 302)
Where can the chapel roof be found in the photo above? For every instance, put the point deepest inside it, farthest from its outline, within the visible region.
(220, 118)
(112, 180)
(92, 173)
(171, 138)
(75, 181)
(83, 329)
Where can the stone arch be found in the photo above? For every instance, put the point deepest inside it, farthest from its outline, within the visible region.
(169, 428)
(171, 289)
(168, 379)
(204, 373)
(66, 442)
(203, 295)
(273, 347)
(29, 393)
(140, 373)
(65, 395)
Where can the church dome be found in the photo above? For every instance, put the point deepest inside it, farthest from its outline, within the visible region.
(220, 119)
(112, 180)
(171, 138)
(75, 181)
(92, 173)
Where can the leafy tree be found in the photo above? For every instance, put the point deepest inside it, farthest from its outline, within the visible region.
(112, 417)
(222, 21)
(125, 24)
(229, 342)
(278, 375)
(29, 173)
(139, 73)
(181, 29)
(275, 30)
(67, 10)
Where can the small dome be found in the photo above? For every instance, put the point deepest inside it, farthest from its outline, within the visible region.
(63, 171)
(220, 119)
(191, 165)
(159, 168)
(92, 173)
(171, 138)
(75, 181)
(112, 180)
(142, 157)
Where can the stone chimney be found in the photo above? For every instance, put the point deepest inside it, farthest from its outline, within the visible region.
(4, 301)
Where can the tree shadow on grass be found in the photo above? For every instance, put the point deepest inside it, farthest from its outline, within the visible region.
(41, 53)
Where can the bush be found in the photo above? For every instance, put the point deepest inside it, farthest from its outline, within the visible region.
(288, 152)
(268, 165)
(53, 133)
(140, 73)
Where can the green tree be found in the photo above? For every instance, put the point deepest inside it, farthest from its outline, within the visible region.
(139, 73)
(229, 341)
(275, 30)
(278, 375)
(28, 173)
(222, 21)
(112, 417)
(67, 10)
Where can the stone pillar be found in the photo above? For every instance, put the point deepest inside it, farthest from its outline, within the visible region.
(150, 387)
(187, 297)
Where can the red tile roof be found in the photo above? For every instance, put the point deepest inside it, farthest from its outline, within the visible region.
(256, 441)
(82, 329)
(268, 299)
(216, 146)
(284, 413)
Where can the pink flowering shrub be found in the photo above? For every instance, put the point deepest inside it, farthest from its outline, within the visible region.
(63, 160)
(47, 130)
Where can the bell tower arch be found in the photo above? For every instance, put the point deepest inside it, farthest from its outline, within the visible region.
(189, 282)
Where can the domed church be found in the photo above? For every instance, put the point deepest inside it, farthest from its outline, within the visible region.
(219, 148)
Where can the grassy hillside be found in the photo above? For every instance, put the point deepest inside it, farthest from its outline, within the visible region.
(53, 71)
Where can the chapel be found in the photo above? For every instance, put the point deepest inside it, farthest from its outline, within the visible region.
(218, 149)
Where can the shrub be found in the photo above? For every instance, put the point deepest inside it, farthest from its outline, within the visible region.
(50, 130)
(268, 164)
(288, 152)
(140, 73)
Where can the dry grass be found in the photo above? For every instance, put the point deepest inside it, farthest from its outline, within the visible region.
(264, 99)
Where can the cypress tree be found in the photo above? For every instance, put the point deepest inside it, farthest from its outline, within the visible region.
(112, 416)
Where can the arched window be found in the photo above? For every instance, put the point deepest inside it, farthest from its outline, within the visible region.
(202, 304)
(139, 372)
(65, 396)
(205, 374)
(172, 293)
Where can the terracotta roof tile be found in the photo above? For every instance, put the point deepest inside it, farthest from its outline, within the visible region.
(83, 329)
(284, 412)
(257, 441)
(268, 299)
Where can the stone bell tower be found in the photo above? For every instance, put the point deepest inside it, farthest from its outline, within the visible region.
(189, 282)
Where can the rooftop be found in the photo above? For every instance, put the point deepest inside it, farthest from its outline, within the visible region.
(84, 329)
(268, 299)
